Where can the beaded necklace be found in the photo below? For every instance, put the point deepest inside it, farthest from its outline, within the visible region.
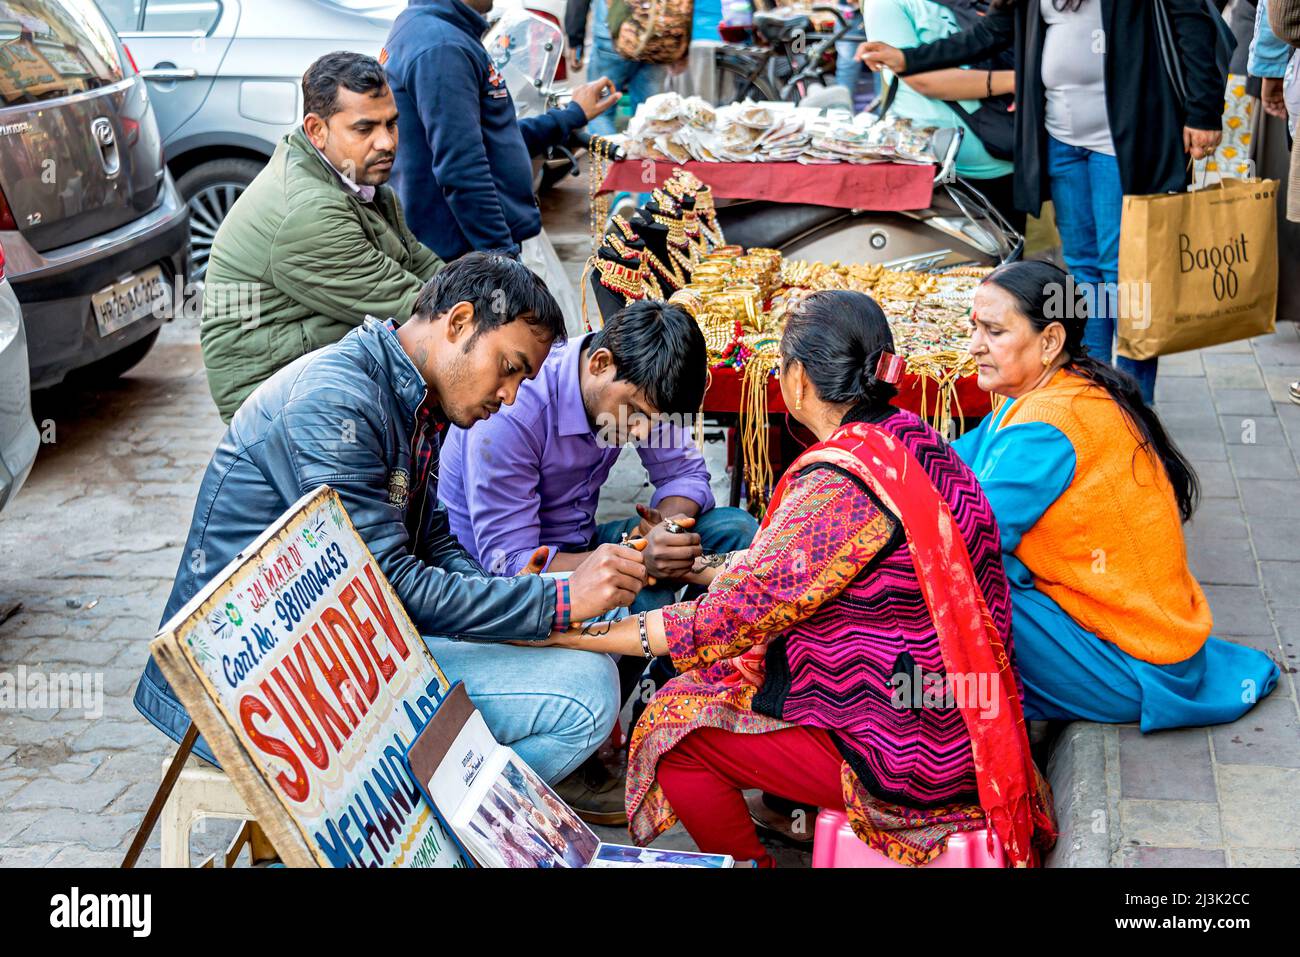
(680, 249)
(600, 151)
(673, 277)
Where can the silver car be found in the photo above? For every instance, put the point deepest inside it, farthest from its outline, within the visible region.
(225, 80)
(19, 439)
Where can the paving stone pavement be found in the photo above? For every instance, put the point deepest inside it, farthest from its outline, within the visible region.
(91, 544)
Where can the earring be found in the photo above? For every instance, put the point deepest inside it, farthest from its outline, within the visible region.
(1046, 361)
(798, 400)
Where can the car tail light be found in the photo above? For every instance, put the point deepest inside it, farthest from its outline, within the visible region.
(6, 214)
(562, 69)
(733, 32)
(130, 58)
(131, 129)
(2, 263)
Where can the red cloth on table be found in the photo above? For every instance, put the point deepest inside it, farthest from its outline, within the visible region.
(704, 774)
(724, 395)
(877, 186)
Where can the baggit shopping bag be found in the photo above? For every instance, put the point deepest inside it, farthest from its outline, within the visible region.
(1198, 268)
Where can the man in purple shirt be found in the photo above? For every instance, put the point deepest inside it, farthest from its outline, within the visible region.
(531, 474)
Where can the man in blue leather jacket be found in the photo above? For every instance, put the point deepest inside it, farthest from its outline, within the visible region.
(364, 416)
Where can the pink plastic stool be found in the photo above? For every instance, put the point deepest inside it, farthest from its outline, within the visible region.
(835, 845)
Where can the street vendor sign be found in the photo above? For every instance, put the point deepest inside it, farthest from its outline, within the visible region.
(302, 670)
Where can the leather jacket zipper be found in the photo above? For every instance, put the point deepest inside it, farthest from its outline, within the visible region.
(424, 492)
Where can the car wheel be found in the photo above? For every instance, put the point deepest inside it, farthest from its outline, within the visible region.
(210, 189)
(111, 367)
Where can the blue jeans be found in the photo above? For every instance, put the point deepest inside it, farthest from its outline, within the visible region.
(1088, 199)
(553, 706)
(848, 71)
(637, 80)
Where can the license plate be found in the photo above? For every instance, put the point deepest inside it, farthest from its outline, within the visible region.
(128, 300)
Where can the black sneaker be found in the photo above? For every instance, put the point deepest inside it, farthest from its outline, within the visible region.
(595, 795)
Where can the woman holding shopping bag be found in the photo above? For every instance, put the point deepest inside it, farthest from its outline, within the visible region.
(1097, 117)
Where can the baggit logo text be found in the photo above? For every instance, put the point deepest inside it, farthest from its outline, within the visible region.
(1221, 259)
(132, 911)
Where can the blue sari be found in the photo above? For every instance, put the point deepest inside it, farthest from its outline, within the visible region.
(1067, 672)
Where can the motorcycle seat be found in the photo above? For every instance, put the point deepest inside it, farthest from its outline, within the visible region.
(774, 29)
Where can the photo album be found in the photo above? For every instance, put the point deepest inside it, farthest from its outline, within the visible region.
(501, 813)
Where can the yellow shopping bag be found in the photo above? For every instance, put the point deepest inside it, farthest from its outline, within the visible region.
(1198, 268)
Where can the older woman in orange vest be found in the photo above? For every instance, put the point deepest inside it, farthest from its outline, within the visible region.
(1090, 495)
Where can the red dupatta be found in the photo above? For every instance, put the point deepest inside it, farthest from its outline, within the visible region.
(1011, 792)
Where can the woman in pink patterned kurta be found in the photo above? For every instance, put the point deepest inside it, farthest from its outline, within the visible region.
(802, 670)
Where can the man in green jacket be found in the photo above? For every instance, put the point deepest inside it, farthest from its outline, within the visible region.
(317, 242)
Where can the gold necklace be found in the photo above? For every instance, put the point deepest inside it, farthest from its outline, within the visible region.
(626, 229)
(621, 279)
(708, 214)
(674, 277)
(679, 246)
(697, 244)
(676, 188)
(653, 289)
(614, 242)
(600, 150)
(676, 230)
(686, 260)
(665, 203)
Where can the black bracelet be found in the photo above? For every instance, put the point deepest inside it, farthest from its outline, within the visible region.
(989, 83)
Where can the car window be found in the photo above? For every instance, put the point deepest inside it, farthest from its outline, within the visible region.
(189, 17)
(53, 48)
(123, 14)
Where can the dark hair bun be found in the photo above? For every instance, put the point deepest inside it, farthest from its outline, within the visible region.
(838, 336)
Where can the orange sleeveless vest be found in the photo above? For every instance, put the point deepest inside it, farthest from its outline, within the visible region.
(1110, 550)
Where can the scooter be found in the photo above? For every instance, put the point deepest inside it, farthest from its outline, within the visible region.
(527, 51)
(959, 226)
